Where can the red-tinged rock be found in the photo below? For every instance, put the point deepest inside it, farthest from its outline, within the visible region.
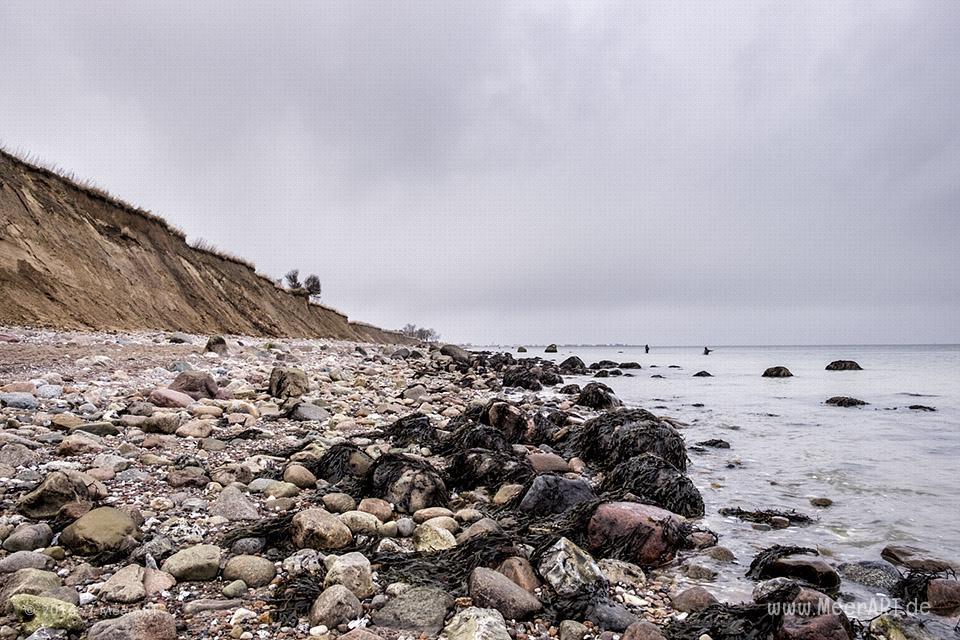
(943, 594)
(650, 531)
(170, 398)
(826, 627)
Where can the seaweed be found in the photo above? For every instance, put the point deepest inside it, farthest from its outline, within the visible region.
(414, 429)
(477, 467)
(912, 588)
(275, 530)
(471, 435)
(338, 462)
(295, 595)
(764, 516)
(389, 468)
(759, 568)
(728, 622)
(616, 436)
(654, 480)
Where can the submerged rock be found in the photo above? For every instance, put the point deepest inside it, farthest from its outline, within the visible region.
(845, 401)
(777, 372)
(844, 365)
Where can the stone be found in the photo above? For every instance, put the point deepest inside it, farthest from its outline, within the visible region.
(548, 463)
(196, 384)
(549, 494)
(489, 588)
(308, 412)
(571, 630)
(569, 569)
(643, 630)
(521, 572)
(125, 586)
(17, 455)
(474, 623)
(607, 614)
(809, 569)
(28, 537)
(844, 365)
(288, 382)
(146, 624)
(622, 572)
(649, 525)
(380, 509)
(914, 558)
(197, 429)
(336, 605)
(217, 345)
(199, 562)
(430, 539)
(844, 401)
(253, 570)
(943, 594)
(692, 599)
(478, 528)
(99, 530)
(170, 398)
(167, 423)
(319, 529)
(823, 627)
(597, 395)
(234, 505)
(337, 502)
(352, 570)
(777, 372)
(361, 523)
(299, 476)
(30, 581)
(156, 581)
(876, 574)
(25, 560)
(79, 443)
(234, 589)
(419, 610)
(36, 612)
(18, 400)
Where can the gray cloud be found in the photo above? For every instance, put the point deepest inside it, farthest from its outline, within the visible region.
(664, 173)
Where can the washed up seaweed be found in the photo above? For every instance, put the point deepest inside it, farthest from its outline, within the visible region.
(478, 467)
(295, 595)
(616, 436)
(764, 516)
(414, 429)
(728, 622)
(652, 479)
(338, 462)
(275, 530)
(912, 588)
(423, 480)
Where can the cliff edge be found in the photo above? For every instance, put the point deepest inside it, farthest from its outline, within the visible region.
(74, 257)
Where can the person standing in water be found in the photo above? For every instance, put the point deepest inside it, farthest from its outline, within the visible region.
(646, 348)
(706, 351)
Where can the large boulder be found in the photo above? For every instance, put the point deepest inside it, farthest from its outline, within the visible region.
(489, 588)
(352, 570)
(104, 529)
(30, 581)
(458, 354)
(844, 365)
(615, 436)
(409, 483)
(570, 570)
(216, 344)
(336, 605)
(597, 395)
(196, 384)
(573, 366)
(550, 494)
(644, 534)
(36, 612)
(253, 570)
(147, 624)
(844, 401)
(509, 419)
(56, 490)
(418, 610)
(319, 529)
(288, 382)
(654, 480)
(830, 626)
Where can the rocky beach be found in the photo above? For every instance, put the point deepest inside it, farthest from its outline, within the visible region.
(158, 486)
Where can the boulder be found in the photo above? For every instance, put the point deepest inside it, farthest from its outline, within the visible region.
(36, 612)
(147, 624)
(551, 348)
(28, 537)
(943, 594)
(914, 558)
(125, 586)
(428, 538)
(409, 483)
(616, 436)
(56, 490)
(319, 529)
(830, 626)
(876, 574)
(25, 560)
(352, 570)
(512, 421)
(489, 588)
(196, 384)
(418, 610)
(777, 372)
(458, 354)
(288, 382)
(650, 532)
(844, 365)
(30, 581)
(200, 562)
(597, 395)
(643, 630)
(170, 399)
(521, 572)
(336, 605)
(217, 345)
(234, 505)
(844, 401)
(654, 480)
(692, 599)
(253, 570)
(474, 623)
(549, 494)
(18, 400)
(904, 626)
(569, 570)
(100, 530)
(809, 569)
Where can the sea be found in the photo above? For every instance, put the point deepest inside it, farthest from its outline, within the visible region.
(893, 473)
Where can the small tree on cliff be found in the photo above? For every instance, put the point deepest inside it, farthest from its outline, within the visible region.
(293, 280)
(420, 333)
(312, 285)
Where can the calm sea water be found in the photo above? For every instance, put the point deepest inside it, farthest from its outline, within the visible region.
(893, 473)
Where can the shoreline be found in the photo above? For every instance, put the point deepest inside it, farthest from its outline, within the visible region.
(185, 478)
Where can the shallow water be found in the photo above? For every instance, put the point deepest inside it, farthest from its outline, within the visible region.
(892, 472)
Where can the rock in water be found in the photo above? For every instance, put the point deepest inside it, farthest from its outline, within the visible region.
(640, 533)
(845, 401)
(876, 574)
(474, 623)
(844, 365)
(777, 372)
(616, 436)
(551, 348)
(287, 382)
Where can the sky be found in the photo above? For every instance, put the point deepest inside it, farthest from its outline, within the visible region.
(585, 172)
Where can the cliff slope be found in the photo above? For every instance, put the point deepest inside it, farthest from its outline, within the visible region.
(73, 257)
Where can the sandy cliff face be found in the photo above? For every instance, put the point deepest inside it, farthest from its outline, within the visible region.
(71, 257)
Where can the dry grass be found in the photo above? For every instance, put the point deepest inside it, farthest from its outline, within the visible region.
(208, 247)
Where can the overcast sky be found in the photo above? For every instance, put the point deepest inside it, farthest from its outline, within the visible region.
(663, 173)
